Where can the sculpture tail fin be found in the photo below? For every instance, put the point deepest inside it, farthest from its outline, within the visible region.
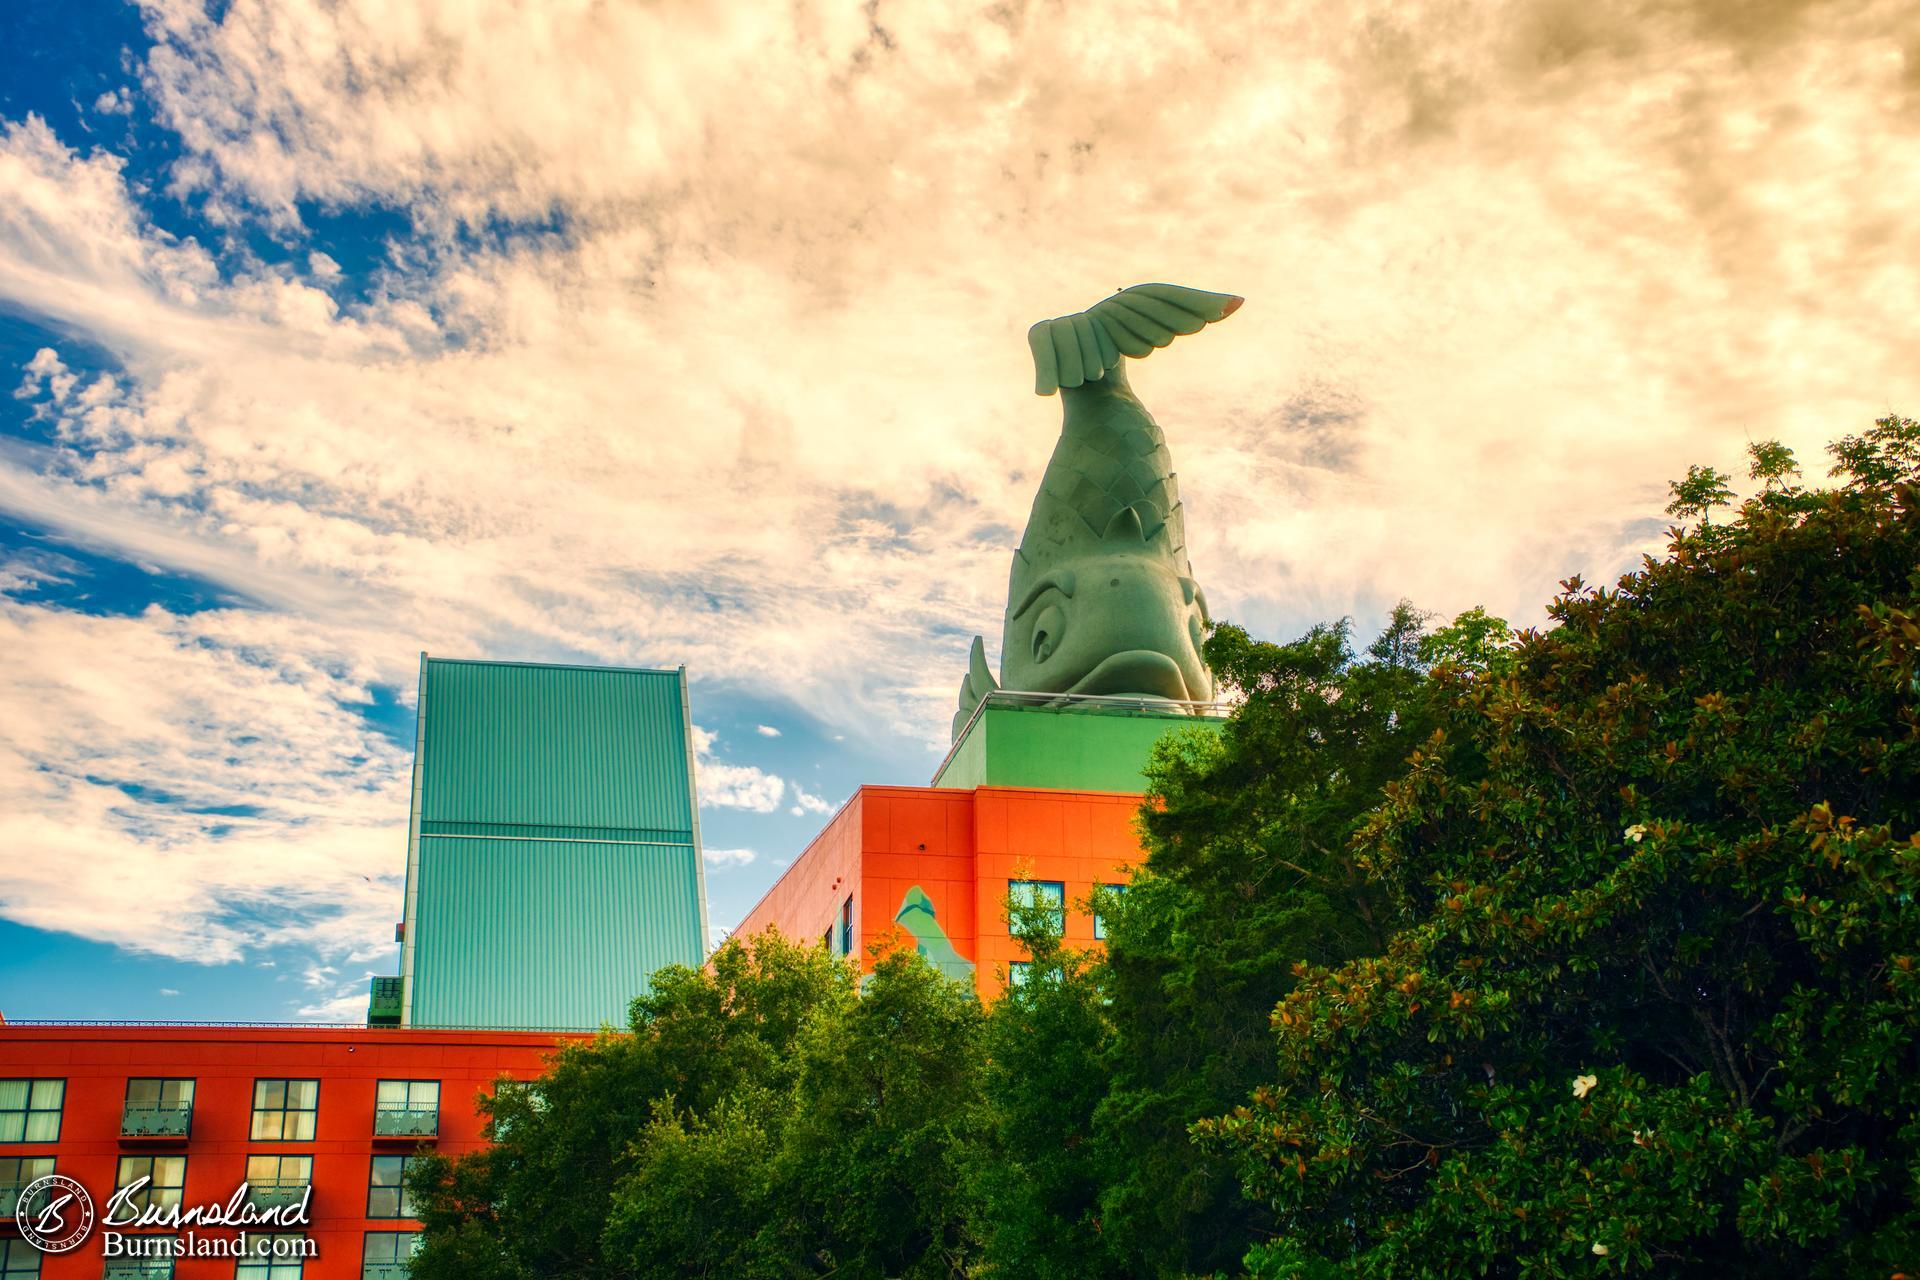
(1070, 351)
(979, 682)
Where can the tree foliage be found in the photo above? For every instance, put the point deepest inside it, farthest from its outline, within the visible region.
(1648, 1005)
(1587, 950)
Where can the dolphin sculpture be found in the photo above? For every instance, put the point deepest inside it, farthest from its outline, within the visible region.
(1101, 598)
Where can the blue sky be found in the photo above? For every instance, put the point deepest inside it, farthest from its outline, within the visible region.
(662, 334)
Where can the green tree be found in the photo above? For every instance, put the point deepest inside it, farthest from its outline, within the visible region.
(1698, 494)
(1648, 1004)
(1039, 1170)
(1248, 872)
(537, 1202)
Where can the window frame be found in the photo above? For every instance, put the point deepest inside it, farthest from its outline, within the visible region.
(266, 1267)
(159, 1100)
(155, 1188)
(1058, 903)
(407, 1105)
(366, 1248)
(379, 1106)
(12, 1251)
(11, 1199)
(401, 1200)
(846, 926)
(29, 1111)
(279, 1180)
(1099, 924)
(283, 1111)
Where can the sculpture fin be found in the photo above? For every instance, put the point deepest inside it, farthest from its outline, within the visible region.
(1071, 351)
(974, 688)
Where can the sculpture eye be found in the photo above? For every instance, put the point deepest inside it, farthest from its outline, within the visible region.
(1047, 630)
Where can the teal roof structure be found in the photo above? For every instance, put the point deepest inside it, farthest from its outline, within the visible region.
(553, 856)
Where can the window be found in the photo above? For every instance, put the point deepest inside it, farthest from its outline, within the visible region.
(1051, 894)
(19, 1260)
(285, 1111)
(273, 1181)
(826, 939)
(165, 1175)
(274, 1257)
(15, 1173)
(157, 1108)
(1019, 972)
(407, 1108)
(1099, 924)
(385, 1254)
(30, 1110)
(387, 1194)
(846, 926)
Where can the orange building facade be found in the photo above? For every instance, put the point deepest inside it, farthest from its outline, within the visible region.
(934, 866)
(327, 1116)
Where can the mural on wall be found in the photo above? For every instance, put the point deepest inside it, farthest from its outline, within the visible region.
(917, 917)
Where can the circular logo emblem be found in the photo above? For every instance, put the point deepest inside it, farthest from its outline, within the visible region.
(55, 1214)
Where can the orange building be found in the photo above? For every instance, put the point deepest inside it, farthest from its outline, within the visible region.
(936, 865)
(324, 1116)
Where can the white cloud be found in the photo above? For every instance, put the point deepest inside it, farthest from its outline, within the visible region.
(766, 731)
(169, 992)
(747, 389)
(348, 1005)
(723, 785)
(737, 786)
(805, 802)
(194, 787)
(727, 857)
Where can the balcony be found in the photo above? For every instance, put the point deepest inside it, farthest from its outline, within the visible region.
(383, 1271)
(163, 1120)
(277, 1195)
(139, 1269)
(406, 1122)
(383, 1003)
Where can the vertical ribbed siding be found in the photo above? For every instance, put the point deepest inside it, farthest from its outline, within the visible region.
(548, 933)
(573, 746)
(556, 857)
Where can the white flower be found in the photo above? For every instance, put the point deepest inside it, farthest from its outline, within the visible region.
(1643, 1137)
(1599, 1249)
(1633, 833)
(1583, 1085)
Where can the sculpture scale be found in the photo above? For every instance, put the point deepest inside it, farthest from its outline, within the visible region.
(1101, 598)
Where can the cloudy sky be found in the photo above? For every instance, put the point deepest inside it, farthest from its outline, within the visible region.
(662, 333)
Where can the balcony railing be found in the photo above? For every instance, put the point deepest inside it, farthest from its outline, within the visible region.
(383, 1271)
(139, 1269)
(164, 1120)
(406, 1122)
(276, 1195)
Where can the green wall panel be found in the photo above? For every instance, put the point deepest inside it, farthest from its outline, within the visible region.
(554, 858)
(512, 743)
(548, 933)
(1069, 750)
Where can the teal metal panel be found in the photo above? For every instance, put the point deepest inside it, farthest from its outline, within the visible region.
(554, 856)
(548, 933)
(520, 744)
